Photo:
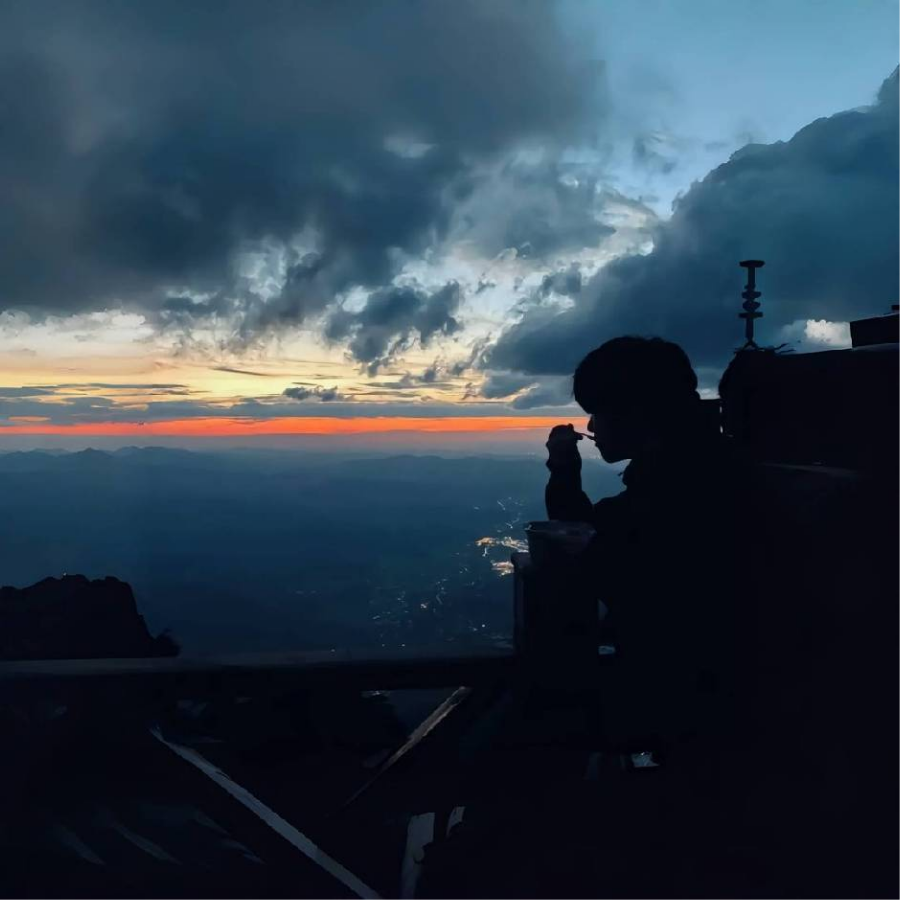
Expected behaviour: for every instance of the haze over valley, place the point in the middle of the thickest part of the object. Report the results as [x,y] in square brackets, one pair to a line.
[269,550]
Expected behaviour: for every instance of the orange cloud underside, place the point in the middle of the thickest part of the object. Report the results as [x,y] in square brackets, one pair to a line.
[234,427]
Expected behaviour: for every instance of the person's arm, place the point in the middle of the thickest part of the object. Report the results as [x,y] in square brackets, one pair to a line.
[565,499]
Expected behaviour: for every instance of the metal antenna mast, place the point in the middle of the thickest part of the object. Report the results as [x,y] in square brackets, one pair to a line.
[751,304]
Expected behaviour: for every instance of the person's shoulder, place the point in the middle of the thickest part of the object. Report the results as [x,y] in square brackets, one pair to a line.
[610,510]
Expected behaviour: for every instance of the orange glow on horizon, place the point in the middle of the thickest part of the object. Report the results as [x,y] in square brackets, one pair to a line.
[324,425]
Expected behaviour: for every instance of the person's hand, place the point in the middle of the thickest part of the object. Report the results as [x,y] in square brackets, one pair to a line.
[562,445]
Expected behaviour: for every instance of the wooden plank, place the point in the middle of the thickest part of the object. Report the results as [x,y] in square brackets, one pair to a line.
[425,772]
[263,673]
[433,721]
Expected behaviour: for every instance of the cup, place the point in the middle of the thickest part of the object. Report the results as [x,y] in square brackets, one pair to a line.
[554,540]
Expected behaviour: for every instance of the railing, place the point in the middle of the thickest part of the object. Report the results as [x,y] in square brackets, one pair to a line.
[199,677]
[552,613]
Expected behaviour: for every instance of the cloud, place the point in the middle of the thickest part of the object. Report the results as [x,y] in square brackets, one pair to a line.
[524,392]
[549,392]
[392,318]
[816,334]
[148,148]
[427,376]
[243,372]
[325,395]
[539,207]
[105,409]
[654,151]
[149,387]
[14,392]
[566,282]
[472,361]
[69,410]
[430,375]
[432,378]
[820,209]
[498,385]
[90,387]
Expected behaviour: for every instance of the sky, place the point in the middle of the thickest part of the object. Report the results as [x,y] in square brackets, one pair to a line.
[233,221]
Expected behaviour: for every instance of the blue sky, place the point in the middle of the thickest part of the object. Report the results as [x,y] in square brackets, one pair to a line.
[722,71]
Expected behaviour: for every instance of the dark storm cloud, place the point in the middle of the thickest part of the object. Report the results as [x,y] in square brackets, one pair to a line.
[437,313]
[525,391]
[325,395]
[504,384]
[820,209]
[549,392]
[144,144]
[566,282]
[392,318]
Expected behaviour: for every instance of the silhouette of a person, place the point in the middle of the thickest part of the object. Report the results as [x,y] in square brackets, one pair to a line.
[664,560]
[663,563]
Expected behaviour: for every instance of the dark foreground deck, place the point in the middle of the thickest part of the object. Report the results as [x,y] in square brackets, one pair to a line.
[119,797]
[292,775]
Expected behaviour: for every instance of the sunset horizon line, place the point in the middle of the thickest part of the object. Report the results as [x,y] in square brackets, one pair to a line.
[284,425]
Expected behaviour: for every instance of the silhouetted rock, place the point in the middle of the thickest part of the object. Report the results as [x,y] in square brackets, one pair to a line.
[75,618]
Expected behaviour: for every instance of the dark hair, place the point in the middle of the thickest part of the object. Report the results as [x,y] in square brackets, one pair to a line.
[634,371]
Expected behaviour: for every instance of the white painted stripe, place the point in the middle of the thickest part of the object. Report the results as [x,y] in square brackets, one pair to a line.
[279,825]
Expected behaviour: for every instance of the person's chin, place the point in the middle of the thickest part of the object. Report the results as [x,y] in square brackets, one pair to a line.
[611,455]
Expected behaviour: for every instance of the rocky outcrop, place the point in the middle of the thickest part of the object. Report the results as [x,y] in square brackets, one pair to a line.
[75,618]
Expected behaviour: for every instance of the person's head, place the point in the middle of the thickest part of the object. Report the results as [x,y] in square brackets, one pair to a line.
[636,391]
